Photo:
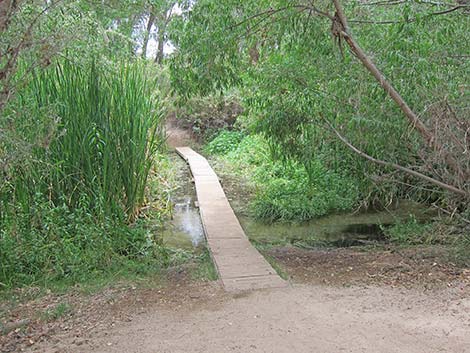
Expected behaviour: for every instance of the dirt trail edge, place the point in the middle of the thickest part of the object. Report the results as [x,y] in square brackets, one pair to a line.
[240,266]
[301,319]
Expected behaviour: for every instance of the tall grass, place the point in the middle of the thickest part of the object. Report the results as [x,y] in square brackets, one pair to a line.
[92,134]
[108,130]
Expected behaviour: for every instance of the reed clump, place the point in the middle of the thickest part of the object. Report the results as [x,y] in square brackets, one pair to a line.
[69,203]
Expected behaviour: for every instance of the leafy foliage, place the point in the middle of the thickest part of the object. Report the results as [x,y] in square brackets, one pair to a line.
[53,243]
[64,211]
[294,79]
[284,192]
[225,142]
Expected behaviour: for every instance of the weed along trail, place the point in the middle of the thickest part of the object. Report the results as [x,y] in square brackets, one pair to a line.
[239,264]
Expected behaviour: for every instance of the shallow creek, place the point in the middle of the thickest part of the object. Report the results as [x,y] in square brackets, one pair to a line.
[185,230]
[338,230]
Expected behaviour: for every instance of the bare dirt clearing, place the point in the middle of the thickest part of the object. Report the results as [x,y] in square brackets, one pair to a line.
[299,319]
[177,136]
[410,267]
[359,310]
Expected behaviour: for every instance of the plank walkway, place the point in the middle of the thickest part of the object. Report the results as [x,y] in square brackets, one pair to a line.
[239,264]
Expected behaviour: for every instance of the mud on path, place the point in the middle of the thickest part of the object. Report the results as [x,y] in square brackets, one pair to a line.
[329,308]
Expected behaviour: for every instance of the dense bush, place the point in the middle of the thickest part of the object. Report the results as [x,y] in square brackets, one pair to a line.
[205,116]
[284,191]
[53,243]
[295,196]
[224,142]
[66,204]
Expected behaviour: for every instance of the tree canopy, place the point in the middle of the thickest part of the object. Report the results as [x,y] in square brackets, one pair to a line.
[302,79]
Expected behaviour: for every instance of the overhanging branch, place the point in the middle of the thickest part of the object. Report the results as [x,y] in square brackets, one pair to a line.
[412,172]
[413,119]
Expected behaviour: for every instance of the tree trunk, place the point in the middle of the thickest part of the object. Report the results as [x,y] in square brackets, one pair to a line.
[150,22]
[342,30]
[161,44]
[164,20]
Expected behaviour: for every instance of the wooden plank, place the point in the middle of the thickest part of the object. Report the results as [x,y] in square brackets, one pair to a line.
[239,264]
[252,283]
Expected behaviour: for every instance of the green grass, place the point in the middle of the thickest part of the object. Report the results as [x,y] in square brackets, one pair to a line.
[60,310]
[284,190]
[69,208]
[205,269]
[413,232]
[108,130]
[272,261]
[443,232]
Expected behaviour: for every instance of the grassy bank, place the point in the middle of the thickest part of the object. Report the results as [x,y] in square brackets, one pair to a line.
[81,154]
[283,191]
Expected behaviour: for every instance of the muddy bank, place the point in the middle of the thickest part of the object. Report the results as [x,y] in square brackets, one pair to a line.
[416,267]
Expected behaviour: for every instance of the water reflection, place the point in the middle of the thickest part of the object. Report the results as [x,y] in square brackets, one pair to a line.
[185,229]
[333,230]
[186,219]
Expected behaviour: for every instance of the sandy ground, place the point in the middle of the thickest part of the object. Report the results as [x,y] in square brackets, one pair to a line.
[340,300]
[303,318]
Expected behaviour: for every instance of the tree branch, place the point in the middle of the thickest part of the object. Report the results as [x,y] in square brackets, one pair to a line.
[271,11]
[399,2]
[442,185]
[393,93]
[411,20]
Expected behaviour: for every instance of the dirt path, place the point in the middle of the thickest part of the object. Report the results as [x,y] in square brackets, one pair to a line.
[341,300]
[177,136]
[305,318]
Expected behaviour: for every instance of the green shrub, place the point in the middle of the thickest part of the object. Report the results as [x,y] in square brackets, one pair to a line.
[224,142]
[296,197]
[54,243]
[69,205]
[285,191]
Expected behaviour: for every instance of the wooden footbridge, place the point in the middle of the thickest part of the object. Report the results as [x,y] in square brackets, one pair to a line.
[239,264]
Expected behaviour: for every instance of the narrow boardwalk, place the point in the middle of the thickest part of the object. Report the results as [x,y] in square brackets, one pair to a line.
[240,265]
